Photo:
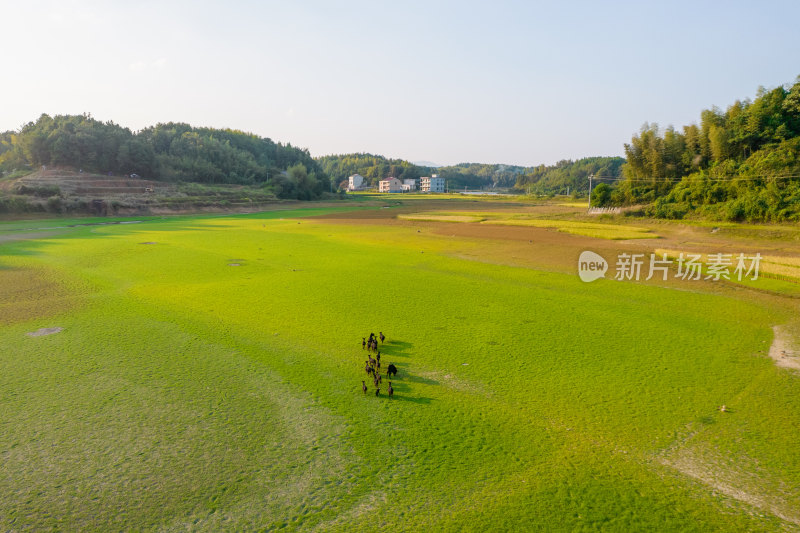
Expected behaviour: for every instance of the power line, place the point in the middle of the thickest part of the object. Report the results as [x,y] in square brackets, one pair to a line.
[706,178]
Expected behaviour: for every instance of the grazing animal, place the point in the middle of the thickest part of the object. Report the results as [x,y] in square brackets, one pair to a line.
[391,370]
[390,390]
[372,362]
[378,391]
[363,386]
[363,343]
[378,357]
[382,337]
[368,369]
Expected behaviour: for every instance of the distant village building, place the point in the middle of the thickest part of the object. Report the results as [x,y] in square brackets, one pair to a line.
[410,185]
[355,182]
[391,185]
[432,184]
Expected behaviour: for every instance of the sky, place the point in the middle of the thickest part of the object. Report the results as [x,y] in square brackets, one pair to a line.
[523,83]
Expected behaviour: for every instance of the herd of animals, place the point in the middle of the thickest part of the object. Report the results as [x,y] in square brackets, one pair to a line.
[373,365]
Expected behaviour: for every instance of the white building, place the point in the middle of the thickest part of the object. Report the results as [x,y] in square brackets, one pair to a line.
[355,182]
[391,185]
[432,184]
[410,185]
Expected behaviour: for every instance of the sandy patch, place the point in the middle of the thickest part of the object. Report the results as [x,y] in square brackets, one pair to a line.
[44,331]
[782,349]
[23,236]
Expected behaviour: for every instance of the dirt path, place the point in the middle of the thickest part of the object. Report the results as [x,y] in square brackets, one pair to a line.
[782,349]
[739,484]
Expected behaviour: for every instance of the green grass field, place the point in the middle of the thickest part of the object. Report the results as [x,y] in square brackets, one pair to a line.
[208,377]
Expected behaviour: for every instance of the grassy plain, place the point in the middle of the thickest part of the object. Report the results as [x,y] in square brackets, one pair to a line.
[575,227]
[208,377]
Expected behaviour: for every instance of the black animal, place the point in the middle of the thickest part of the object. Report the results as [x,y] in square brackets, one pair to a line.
[378,392]
[382,337]
[363,343]
[364,386]
[378,357]
[390,390]
[368,369]
[391,370]
[372,362]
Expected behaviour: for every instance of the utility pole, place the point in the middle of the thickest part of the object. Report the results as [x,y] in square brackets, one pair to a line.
[590,190]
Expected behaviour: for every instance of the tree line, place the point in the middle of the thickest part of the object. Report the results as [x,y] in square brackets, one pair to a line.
[545,180]
[376,167]
[739,164]
[175,152]
[569,177]
[372,167]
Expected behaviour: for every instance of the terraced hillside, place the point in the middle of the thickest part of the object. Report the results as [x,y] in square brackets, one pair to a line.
[65,190]
[76,183]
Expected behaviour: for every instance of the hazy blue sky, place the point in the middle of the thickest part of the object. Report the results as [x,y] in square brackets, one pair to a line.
[506,82]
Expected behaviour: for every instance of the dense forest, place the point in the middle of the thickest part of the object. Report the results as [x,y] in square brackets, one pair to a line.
[570,177]
[173,152]
[739,164]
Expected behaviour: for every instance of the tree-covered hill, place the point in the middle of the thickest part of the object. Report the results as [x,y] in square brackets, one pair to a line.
[570,176]
[376,167]
[739,164]
[480,175]
[372,167]
[168,152]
